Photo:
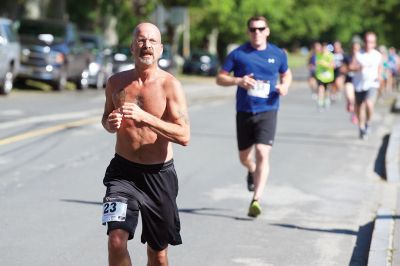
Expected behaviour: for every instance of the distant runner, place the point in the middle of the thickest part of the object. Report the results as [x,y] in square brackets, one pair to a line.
[338,55]
[324,72]
[349,60]
[312,81]
[261,72]
[366,80]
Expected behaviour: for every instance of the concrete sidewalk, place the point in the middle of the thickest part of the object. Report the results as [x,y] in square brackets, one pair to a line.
[385,243]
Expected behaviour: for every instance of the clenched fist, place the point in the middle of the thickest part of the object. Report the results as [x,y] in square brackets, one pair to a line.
[114,120]
[247,81]
[133,111]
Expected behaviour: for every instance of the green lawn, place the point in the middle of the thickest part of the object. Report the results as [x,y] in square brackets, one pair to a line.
[297,60]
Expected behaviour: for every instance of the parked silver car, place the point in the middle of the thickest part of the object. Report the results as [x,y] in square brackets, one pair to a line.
[100,66]
[9,55]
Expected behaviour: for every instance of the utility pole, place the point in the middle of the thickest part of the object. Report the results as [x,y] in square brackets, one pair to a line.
[186,33]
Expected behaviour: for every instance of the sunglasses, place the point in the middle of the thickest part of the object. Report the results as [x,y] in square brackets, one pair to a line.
[261,29]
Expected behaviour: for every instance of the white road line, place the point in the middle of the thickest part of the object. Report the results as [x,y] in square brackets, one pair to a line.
[51,118]
[12,112]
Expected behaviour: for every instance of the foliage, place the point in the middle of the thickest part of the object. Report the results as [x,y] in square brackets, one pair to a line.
[293,23]
[94,15]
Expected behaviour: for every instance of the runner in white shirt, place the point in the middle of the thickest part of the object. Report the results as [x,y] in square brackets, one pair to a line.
[366,80]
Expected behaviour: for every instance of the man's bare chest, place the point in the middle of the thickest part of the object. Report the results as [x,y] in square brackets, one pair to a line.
[151,99]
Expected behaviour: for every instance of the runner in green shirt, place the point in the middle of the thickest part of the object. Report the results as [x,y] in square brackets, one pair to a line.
[324,72]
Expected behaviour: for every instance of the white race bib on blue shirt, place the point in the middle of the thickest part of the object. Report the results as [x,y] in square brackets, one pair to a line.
[261,89]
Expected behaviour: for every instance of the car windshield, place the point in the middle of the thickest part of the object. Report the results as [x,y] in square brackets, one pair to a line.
[122,54]
[202,56]
[122,50]
[9,33]
[34,29]
[91,42]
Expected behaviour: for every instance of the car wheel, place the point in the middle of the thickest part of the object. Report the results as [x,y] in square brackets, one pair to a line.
[60,84]
[83,82]
[7,84]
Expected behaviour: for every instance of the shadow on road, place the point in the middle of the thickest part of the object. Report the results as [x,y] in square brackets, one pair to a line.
[363,243]
[379,167]
[29,85]
[82,201]
[361,248]
[333,231]
[211,212]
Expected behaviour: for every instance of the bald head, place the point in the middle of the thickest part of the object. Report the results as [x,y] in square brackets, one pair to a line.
[146,45]
[147,27]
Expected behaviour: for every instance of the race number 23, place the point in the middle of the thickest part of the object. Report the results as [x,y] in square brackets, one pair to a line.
[114,209]
[110,207]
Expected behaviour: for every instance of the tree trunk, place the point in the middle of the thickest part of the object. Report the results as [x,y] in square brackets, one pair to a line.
[56,9]
[213,41]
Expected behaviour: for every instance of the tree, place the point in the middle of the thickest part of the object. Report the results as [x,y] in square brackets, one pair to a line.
[294,23]
[95,15]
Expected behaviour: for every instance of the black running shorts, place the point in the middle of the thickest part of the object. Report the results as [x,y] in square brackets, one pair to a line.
[324,84]
[362,96]
[337,73]
[255,128]
[150,189]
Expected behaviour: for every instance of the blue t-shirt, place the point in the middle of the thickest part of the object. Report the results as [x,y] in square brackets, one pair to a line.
[266,65]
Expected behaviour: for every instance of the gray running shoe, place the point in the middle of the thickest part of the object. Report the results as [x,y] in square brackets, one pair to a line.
[363,134]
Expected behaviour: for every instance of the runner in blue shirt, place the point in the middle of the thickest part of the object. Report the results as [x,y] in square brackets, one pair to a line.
[261,73]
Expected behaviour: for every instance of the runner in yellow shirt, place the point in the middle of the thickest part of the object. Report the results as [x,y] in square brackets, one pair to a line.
[324,72]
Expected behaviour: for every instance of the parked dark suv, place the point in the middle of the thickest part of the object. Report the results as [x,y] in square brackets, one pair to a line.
[51,51]
[201,63]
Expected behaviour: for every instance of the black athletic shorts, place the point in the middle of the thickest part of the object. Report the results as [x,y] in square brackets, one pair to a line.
[348,79]
[150,189]
[255,128]
[324,84]
[362,96]
[337,73]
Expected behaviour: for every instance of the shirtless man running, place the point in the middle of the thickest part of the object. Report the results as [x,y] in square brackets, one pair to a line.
[146,108]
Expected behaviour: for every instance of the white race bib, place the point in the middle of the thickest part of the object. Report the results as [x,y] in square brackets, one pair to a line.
[261,89]
[114,209]
[326,75]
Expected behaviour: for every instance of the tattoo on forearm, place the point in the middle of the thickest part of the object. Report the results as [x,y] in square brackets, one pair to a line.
[184,115]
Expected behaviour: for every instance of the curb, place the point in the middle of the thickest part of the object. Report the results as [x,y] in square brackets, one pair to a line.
[385,243]
[396,105]
[381,249]
[392,160]
[396,238]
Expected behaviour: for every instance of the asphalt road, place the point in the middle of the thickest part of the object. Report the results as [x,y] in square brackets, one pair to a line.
[318,207]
